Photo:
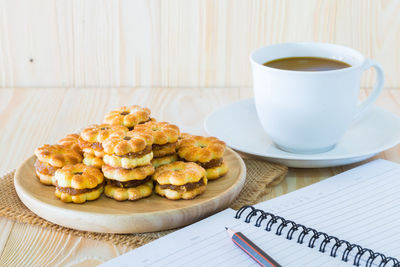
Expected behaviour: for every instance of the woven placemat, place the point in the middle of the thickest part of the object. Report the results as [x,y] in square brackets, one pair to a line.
[261,177]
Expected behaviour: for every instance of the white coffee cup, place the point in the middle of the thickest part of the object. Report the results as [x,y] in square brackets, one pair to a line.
[309,111]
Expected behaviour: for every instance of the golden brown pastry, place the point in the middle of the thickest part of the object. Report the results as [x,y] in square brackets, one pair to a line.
[45,172]
[165,140]
[52,157]
[126,175]
[128,116]
[157,162]
[128,184]
[71,141]
[91,138]
[130,193]
[128,150]
[92,160]
[78,183]
[128,167]
[180,180]
[206,151]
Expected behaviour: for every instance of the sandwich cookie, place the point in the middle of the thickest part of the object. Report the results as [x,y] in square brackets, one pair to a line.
[165,141]
[78,183]
[128,184]
[205,151]
[128,116]
[128,167]
[128,150]
[180,180]
[90,141]
[50,158]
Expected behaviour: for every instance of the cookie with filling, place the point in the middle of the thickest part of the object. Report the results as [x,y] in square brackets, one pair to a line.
[129,193]
[128,116]
[165,140]
[180,180]
[78,183]
[206,151]
[91,138]
[128,184]
[217,172]
[45,172]
[52,157]
[128,150]
[162,132]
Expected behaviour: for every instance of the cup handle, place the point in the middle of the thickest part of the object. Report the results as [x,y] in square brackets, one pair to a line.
[380,80]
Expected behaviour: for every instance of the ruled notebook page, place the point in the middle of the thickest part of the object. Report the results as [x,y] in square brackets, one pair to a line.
[361,206]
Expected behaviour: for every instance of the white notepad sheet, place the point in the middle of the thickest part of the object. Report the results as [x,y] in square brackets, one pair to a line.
[361,206]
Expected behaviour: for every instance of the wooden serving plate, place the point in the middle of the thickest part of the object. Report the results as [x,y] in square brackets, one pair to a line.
[151,214]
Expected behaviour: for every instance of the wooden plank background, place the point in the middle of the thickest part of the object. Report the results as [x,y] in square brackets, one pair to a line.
[178,43]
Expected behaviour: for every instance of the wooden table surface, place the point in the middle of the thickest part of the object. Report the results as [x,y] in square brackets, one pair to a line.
[31,117]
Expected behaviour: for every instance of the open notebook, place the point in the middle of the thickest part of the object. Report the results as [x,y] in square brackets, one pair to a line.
[361,206]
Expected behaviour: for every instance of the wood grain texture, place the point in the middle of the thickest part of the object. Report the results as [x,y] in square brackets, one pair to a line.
[179,43]
[31,117]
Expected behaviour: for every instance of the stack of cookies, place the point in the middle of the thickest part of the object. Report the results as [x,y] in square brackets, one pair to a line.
[205,151]
[165,141]
[90,141]
[127,156]
[128,167]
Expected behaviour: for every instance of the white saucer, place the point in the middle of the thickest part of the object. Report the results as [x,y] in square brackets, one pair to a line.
[237,124]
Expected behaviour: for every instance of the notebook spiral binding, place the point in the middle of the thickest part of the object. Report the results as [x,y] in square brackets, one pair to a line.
[282,223]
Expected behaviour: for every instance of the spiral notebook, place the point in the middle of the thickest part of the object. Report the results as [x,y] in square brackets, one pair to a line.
[350,219]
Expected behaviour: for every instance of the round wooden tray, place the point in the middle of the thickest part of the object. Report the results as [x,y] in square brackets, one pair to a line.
[151,214]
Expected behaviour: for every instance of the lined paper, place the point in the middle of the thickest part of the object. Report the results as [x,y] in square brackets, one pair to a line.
[361,206]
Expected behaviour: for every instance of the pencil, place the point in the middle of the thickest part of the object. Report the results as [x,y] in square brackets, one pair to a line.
[251,249]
